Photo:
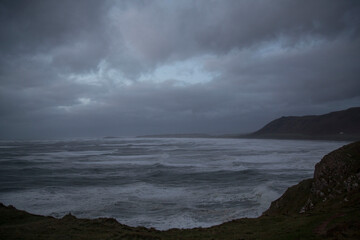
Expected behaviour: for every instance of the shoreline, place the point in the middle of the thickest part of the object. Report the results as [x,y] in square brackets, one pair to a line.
[308,210]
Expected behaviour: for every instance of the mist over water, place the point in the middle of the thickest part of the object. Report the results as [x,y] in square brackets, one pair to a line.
[161,183]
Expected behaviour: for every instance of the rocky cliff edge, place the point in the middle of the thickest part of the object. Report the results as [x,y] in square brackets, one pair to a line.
[335,184]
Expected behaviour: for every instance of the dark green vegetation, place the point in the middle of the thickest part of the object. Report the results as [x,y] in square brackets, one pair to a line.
[325,207]
[341,125]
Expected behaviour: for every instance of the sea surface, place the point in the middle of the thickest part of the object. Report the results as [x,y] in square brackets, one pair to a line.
[160,183]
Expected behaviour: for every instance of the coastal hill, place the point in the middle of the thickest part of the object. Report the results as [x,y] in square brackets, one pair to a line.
[340,125]
[324,207]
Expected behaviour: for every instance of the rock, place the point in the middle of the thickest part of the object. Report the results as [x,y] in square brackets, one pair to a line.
[337,174]
[336,177]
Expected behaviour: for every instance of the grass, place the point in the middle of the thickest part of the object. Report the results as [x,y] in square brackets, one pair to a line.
[15,224]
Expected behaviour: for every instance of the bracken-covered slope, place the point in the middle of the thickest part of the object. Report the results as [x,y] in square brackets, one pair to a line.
[339,125]
[325,207]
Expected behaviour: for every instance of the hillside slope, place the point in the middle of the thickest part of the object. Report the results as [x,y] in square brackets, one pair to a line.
[340,125]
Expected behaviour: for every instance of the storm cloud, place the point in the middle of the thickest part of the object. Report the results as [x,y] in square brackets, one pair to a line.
[96,68]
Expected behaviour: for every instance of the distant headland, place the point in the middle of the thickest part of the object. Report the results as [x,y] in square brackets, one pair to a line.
[340,125]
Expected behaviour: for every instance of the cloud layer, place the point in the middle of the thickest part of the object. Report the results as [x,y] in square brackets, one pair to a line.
[95,68]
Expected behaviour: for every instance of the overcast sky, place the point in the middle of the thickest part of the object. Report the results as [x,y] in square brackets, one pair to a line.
[97,68]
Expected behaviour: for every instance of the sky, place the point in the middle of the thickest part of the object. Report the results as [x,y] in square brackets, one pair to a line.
[90,68]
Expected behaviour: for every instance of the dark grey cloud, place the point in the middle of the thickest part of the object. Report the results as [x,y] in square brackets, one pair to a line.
[161,32]
[32,26]
[92,68]
[324,71]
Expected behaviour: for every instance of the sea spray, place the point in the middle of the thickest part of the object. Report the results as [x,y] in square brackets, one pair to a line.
[161,183]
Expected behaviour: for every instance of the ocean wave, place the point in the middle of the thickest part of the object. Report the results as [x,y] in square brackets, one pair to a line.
[162,183]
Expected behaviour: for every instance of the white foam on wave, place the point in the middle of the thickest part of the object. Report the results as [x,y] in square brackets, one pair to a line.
[181,183]
[182,220]
[264,195]
[8,147]
[66,154]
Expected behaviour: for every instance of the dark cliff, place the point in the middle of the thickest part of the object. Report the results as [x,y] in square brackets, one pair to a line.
[335,184]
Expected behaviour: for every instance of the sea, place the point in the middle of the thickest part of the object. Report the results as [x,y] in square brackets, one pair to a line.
[154,182]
